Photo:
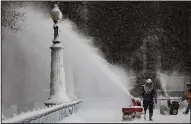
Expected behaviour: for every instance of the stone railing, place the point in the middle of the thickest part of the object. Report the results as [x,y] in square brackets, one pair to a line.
[51,114]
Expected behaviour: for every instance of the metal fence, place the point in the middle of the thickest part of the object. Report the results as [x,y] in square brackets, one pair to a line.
[49,114]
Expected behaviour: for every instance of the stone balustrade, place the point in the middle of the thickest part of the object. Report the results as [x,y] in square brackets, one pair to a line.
[51,114]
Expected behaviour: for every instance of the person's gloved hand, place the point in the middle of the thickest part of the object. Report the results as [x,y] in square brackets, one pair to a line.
[155,101]
[141,98]
[181,99]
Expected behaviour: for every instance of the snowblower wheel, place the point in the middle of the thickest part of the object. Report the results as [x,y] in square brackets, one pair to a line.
[138,115]
[161,112]
[175,112]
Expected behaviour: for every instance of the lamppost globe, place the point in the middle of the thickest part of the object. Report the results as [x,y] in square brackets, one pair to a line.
[56,14]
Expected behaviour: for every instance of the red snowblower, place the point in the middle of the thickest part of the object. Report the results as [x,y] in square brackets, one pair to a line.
[133,112]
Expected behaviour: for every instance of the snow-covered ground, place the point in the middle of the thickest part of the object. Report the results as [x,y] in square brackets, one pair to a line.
[100,112]
[73,119]
[158,118]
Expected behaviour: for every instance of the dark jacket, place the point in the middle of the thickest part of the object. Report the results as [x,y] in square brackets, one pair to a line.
[148,93]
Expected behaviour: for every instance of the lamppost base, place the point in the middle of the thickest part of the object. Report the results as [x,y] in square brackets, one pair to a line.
[49,104]
[58,99]
[72,96]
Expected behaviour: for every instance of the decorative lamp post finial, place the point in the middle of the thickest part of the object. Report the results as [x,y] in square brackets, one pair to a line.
[56,16]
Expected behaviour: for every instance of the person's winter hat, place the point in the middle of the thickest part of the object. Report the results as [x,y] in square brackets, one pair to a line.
[149,81]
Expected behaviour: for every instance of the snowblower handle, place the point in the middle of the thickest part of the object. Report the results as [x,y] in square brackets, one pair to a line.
[180,100]
[134,102]
[141,102]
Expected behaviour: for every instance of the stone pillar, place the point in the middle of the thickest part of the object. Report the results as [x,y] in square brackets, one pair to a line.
[57,76]
[70,83]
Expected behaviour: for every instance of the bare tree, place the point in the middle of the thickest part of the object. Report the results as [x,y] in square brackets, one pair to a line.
[10,16]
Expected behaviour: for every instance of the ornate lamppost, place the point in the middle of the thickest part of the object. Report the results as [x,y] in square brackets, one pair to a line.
[57,76]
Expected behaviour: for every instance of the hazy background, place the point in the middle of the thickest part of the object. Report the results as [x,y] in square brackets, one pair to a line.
[26,61]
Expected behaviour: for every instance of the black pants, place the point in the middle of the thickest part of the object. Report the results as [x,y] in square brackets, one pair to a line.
[148,104]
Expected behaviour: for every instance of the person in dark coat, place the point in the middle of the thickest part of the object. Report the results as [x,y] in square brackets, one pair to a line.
[148,95]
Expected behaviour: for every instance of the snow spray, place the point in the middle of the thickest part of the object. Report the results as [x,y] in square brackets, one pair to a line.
[91,77]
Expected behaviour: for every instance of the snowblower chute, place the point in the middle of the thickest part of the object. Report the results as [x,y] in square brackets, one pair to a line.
[132,112]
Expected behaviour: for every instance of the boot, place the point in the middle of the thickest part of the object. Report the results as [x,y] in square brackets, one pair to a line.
[150,118]
[185,113]
[145,116]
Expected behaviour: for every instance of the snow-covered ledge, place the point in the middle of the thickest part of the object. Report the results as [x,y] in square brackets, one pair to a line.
[51,114]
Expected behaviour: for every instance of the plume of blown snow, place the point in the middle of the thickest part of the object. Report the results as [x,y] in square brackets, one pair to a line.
[26,64]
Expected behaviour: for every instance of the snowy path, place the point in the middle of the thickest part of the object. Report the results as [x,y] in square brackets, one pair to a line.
[100,111]
[157,118]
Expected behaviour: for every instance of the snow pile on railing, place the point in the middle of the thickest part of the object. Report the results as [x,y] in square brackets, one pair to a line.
[45,114]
